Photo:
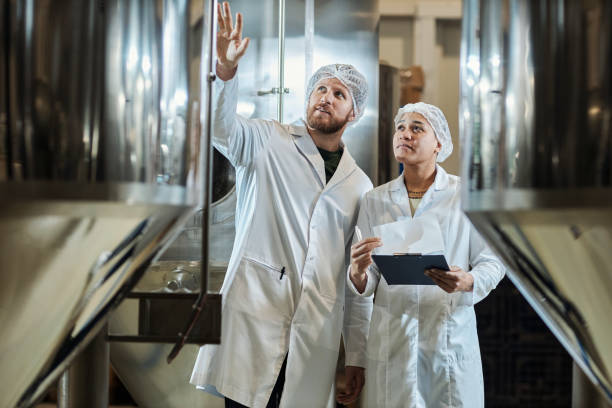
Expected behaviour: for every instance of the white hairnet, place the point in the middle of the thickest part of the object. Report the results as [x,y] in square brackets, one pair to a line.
[438,122]
[350,77]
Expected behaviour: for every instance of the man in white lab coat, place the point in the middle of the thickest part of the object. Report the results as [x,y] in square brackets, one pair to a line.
[422,349]
[298,191]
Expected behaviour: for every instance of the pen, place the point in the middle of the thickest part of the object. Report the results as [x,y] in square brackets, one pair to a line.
[358,233]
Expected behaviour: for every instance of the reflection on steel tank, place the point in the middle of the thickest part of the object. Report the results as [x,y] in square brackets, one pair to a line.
[388,105]
[536,100]
[99,167]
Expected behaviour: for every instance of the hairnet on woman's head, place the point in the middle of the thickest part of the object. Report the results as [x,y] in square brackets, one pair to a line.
[354,81]
[438,122]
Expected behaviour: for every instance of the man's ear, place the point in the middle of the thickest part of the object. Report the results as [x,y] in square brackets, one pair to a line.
[352,115]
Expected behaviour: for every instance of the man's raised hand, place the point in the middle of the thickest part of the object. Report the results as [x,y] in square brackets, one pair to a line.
[230,44]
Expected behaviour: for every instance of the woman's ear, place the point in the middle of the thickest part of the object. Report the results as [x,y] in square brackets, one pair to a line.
[438,147]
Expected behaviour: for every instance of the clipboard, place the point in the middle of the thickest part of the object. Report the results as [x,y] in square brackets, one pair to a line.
[409,269]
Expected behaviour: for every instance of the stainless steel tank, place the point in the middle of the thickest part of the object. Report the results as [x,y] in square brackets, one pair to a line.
[536,100]
[151,381]
[286,48]
[100,163]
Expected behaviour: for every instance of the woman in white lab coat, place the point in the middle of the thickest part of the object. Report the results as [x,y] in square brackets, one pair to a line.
[422,349]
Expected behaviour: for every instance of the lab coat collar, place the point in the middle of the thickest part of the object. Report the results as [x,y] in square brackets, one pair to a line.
[440,182]
[345,167]
[298,128]
[399,194]
[306,145]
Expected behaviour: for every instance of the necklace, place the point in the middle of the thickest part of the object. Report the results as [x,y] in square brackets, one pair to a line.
[416,194]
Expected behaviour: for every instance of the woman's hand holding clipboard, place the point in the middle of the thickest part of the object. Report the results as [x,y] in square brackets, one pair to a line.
[452,280]
[409,269]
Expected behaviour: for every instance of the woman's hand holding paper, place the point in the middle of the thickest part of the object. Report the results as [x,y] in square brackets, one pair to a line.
[361,259]
[455,280]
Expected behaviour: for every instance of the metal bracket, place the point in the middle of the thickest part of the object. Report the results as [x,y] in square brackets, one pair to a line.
[159,319]
[273,91]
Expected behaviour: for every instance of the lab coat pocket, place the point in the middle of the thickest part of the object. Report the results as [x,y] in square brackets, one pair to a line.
[467,381]
[378,341]
[318,319]
[262,290]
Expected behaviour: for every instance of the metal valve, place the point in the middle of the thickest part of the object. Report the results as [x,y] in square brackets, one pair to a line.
[272,91]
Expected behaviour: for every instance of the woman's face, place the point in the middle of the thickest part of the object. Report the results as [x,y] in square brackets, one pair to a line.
[414,141]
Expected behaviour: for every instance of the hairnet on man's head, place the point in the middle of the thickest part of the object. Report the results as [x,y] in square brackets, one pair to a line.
[354,81]
[438,122]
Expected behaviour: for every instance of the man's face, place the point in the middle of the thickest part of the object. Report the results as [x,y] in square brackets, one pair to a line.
[414,141]
[330,106]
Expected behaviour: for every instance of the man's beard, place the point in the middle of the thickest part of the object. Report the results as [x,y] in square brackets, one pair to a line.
[326,127]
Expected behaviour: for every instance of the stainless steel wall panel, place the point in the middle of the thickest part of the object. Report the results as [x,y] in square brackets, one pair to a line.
[537,143]
[347,32]
[469,109]
[52,57]
[490,87]
[258,70]
[96,177]
[115,90]
[132,88]
[519,100]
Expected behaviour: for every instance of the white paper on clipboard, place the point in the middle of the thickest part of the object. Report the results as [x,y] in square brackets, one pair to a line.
[420,235]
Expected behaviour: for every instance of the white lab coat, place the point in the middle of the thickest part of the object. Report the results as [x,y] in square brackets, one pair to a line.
[422,349]
[285,284]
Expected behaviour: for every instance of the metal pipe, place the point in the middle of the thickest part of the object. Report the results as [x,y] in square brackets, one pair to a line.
[207,190]
[85,383]
[63,390]
[5,170]
[584,393]
[309,16]
[206,200]
[281,58]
